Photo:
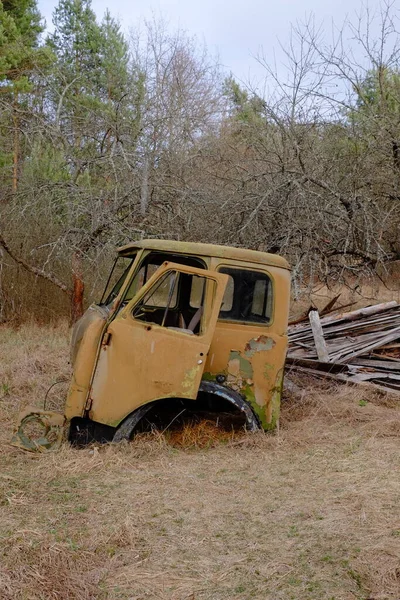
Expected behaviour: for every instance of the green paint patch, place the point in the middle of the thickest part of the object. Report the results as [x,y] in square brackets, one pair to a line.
[260,344]
[248,392]
[245,366]
[240,378]
[208,377]
[188,384]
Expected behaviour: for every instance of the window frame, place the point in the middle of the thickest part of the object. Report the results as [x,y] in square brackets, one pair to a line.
[153,288]
[167,257]
[123,278]
[175,290]
[211,293]
[272,288]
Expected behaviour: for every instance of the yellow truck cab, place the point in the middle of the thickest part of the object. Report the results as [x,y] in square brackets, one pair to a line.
[180,323]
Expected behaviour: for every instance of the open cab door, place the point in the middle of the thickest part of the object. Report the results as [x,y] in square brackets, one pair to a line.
[156,347]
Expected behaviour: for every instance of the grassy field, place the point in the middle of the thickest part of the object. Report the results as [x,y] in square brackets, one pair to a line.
[310,513]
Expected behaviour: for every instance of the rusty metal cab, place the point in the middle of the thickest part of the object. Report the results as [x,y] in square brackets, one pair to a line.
[181,321]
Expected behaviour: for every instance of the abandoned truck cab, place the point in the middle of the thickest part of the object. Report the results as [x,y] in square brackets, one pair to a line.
[180,323]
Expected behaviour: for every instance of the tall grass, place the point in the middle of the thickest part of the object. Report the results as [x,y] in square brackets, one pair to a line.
[310,513]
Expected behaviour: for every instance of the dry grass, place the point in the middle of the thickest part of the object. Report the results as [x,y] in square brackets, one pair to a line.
[311,513]
[359,291]
[204,434]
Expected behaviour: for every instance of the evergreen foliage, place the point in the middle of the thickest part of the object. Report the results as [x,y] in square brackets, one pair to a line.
[103,140]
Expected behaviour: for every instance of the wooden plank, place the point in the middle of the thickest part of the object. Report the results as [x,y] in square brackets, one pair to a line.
[375,375]
[390,346]
[367,323]
[361,312]
[329,307]
[303,318]
[318,335]
[307,346]
[389,338]
[385,356]
[389,384]
[309,363]
[377,364]
[357,347]
[359,327]
[346,379]
[363,326]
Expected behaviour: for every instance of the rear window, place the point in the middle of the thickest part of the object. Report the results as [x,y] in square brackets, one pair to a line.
[248,296]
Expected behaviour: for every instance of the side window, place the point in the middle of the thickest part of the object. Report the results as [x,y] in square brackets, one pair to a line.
[162,295]
[227,301]
[259,296]
[116,278]
[144,274]
[149,266]
[248,296]
[176,301]
[197,291]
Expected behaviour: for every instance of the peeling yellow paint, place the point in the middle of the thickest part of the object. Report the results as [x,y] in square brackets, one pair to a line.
[190,380]
[141,364]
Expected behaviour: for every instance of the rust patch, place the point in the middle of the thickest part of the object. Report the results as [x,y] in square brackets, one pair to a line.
[274,404]
[245,377]
[240,369]
[38,430]
[259,344]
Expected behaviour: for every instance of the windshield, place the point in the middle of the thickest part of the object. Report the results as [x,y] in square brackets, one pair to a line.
[116,278]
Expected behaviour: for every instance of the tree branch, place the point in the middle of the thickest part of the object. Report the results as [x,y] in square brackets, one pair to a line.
[35,270]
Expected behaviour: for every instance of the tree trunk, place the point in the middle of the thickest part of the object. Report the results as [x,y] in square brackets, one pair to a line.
[15,144]
[78,288]
[35,270]
[144,193]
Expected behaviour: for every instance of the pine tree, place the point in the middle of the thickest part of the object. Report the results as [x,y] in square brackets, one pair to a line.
[20,57]
[88,87]
[76,42]
[114,59]
[27,19]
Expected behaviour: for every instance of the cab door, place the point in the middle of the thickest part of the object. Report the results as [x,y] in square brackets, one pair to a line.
[157,345]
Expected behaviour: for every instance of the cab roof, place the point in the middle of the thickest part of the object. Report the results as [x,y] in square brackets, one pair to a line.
[186,248]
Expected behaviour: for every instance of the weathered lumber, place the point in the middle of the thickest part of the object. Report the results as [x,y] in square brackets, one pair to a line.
[329,307]
[309,363]
[378,364]
[392,336]
[356,347]
[318,335]
[344,378]
[375,375]
[361,312]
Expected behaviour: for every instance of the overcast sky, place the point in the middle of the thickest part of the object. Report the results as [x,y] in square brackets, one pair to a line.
[235,29]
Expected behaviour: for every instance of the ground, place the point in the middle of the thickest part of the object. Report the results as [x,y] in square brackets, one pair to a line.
[311,512]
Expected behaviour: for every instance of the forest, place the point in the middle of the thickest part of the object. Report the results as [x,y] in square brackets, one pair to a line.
[108,137]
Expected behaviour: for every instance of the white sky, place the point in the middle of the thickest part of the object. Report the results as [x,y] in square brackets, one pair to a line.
[236,29]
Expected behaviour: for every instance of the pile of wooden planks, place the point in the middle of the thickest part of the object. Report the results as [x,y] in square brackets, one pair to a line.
[358,346]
